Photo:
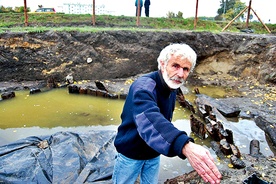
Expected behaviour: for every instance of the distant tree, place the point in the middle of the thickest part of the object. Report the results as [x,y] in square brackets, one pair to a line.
[233,12]
[9,9]
[173,15]
[179,14]
[229,15]
[218,17]
[225,5]
[21,9]
[6,9]
[238,7]
[220,11]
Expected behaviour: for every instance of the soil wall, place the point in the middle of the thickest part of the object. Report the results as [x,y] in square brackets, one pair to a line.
[121,54]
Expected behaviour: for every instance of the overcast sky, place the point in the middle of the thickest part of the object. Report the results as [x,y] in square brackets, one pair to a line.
[159,8]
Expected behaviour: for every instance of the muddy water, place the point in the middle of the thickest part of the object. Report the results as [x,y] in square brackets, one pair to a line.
[57,110]
[46,112]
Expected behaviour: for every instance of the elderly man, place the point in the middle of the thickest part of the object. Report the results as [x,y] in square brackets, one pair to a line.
[146,130]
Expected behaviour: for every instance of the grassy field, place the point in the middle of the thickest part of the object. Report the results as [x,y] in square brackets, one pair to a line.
[14,22]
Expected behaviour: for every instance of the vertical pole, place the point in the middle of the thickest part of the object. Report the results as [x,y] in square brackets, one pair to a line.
[93,13]
[25,12]
[248,13]
[138,14]
[195,21]
[224,10]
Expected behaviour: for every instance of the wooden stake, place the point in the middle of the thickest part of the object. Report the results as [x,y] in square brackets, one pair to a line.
[93,14]
[195,21]
[138,14]
[25,12]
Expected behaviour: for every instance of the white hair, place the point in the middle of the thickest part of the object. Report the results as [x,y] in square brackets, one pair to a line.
[177,49]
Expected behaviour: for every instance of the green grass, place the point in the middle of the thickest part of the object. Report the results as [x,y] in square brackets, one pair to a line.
[14,22]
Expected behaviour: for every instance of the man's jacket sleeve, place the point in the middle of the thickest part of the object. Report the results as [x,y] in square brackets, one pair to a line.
[158,132]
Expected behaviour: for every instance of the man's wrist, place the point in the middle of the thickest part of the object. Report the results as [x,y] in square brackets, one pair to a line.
[189,140]
[186,143]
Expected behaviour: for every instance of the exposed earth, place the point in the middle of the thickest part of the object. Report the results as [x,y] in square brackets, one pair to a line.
[239,62]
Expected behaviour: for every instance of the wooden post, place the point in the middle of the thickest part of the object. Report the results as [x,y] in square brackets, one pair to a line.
[26,12]
[195,21]
[234,19]
[248,13]
[261,21]
[138,14]
[93,13]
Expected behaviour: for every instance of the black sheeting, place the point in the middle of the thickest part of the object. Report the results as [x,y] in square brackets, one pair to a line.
[67,158]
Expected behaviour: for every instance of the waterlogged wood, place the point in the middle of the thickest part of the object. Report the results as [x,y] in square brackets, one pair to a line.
[183,102]
[8,95]
[225,147]
[100,85]
[224,109]
[80,89]
[223,138]
[254,148]
[268,127]
[235,150]
[198,127]
[237,162]
[185,178]
[35,90]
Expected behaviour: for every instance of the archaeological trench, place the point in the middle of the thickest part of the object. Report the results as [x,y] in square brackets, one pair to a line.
[237,61]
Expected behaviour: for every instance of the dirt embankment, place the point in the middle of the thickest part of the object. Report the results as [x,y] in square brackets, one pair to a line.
[242,62]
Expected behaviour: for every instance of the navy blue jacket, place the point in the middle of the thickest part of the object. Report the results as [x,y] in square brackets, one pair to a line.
[146,130]
[147,3]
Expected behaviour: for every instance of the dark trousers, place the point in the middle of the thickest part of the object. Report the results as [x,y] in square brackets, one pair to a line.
[147,11]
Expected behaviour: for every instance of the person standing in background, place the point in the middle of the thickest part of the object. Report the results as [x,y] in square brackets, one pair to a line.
[137,7]
[147,4]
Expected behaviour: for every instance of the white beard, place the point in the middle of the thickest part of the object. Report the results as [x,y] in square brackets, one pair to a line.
[170,81]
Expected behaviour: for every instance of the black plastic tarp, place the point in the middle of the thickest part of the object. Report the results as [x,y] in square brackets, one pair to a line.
[64,157]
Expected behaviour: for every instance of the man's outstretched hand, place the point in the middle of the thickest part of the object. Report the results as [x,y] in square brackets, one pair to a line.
[202,161]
